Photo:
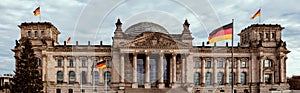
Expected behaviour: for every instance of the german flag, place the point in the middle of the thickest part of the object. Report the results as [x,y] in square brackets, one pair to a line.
[69,40]
[222,33]
[37,11]
[101,64]
[256,14]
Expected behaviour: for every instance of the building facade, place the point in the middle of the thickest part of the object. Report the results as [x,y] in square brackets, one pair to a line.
[147,58]
[5,81]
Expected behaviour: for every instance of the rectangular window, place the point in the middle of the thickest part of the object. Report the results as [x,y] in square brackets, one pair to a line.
[29,34]
[220,64]
[267,78]
[244,64]
[83,63]
[197,64]
[59,62]
[107,63]
[70,90]
[71,63]
[58,91]
[208,64]
[231,64]
[43,33]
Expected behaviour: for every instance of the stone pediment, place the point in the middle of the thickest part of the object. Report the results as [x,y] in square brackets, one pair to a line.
[154,40]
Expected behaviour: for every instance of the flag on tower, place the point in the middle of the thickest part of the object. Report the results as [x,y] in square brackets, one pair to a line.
[222,33]
[37,11]
[256,14]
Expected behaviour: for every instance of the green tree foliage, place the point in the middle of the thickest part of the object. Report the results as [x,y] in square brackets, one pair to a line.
[27,77]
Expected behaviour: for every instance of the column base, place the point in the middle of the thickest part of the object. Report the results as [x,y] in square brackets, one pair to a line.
[122,86]
[147,85]
[175,85]
[134,85]
[161,85]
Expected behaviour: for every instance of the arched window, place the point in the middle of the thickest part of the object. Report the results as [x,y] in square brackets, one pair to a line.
[39,62]
[208,78]
[243,78]
[196,78]
[96,77]
[220,78]
[36,34]
[43,33]
[29,34]
[72,77]
[107,77]
[59,77]
[231,76]
[267,63]
[83,77]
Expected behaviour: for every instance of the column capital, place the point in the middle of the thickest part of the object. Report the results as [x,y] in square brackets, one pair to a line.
[148,53]
[135,54]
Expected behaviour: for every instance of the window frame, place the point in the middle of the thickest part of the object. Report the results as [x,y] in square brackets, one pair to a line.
[208,64]
[59,77]
[243,65]
[197,64]
[267,63]
[243,77]
[71,63]
[36,34]
[59,63]
[208,78]
[72,79]
[220,64]
[196,78]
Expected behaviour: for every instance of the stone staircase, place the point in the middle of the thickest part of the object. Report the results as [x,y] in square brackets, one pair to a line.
[142,90]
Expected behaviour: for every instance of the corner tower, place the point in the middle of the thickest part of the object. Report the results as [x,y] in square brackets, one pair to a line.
[264,35]
[40,33]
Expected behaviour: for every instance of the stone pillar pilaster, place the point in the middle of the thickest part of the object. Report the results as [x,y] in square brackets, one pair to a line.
[89,69]
[65,64]
[227,70]
[161,71]
[238,71]
[44,62]
[134,84]
[203,72]
[122,68]
[261,70]
[174,67]
[147,69]
[215,73]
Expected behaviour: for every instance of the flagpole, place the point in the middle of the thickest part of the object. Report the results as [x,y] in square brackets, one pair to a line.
[232,65]
[259,20]
[40,16]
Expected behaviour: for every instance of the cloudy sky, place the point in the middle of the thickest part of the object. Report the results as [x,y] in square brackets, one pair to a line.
[93,20]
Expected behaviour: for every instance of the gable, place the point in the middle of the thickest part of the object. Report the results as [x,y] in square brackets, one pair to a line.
[154,40]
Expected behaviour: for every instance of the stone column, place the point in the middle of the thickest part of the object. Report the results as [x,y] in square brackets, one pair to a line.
[227,70]
[261,70]
[215,73]
[161,71]
[44,62]
[78,72]
[183,69]
[203,72]
[122,67]
[147,69]
[65,64]
[174,67]
[135,84]
[89,69]
[238,71]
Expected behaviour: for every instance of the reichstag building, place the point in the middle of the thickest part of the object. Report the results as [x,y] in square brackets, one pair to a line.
[146,58]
